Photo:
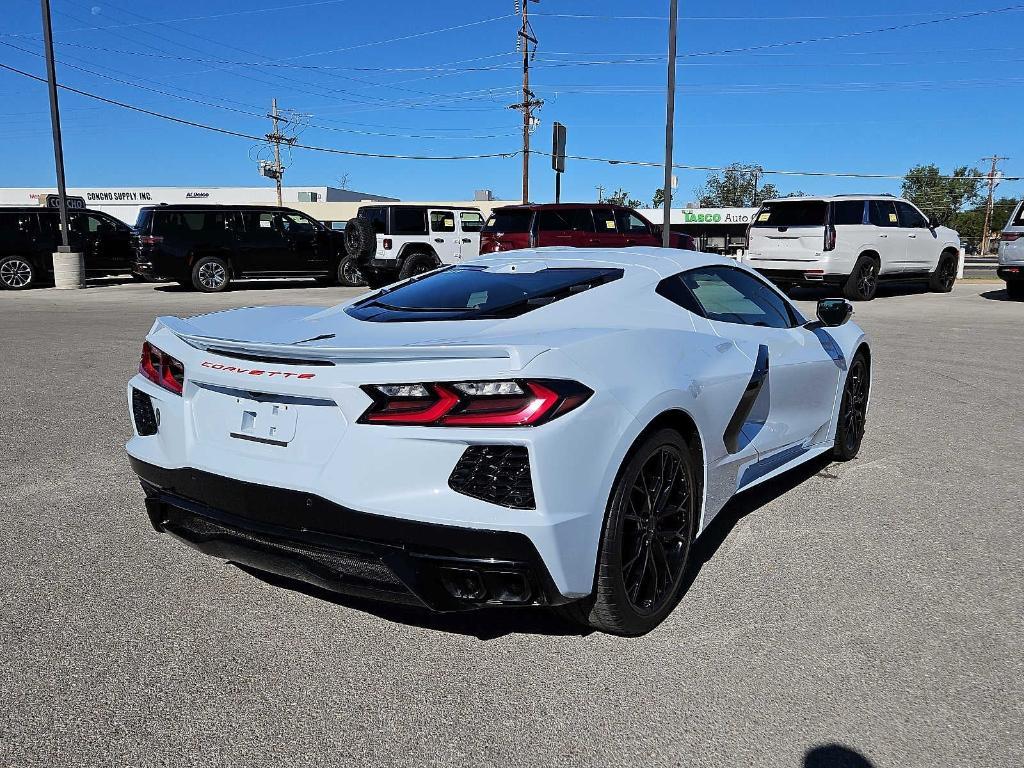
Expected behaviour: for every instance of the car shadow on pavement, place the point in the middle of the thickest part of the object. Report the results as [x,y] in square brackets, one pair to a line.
[741,505]
[999,295]
[483,624]
[835,756]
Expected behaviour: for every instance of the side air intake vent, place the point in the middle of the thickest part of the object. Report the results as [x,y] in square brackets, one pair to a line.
[142,411]
[499,474]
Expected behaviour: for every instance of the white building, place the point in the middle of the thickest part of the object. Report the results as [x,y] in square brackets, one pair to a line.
[124,202]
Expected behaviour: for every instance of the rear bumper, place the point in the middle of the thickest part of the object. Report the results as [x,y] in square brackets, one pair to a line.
[305,537]
[800,276]
[1010,272]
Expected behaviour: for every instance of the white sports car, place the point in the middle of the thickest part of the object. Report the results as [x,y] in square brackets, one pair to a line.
[541,427]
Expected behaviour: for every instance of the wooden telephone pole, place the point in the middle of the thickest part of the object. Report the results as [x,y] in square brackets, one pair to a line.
[992,176]
[529,102]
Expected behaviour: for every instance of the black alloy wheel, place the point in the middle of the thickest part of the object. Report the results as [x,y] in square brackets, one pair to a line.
[853,410]
[944,277]
[648,534]
[656,531]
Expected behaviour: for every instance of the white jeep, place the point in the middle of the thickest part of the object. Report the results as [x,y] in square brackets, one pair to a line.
[394,242]
[851,242]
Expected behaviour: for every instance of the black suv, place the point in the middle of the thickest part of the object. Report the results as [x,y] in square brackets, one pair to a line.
[30,235]
[207,246]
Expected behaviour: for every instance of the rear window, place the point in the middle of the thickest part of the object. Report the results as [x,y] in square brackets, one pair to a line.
[509,221]
[1018,219]
[792,213]
[477,293]
[848,212]
[378,218]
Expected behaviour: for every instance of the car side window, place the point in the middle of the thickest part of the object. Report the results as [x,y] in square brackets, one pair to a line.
[882,213]
[566,220]
[471,221]
[845,212]
[296,224]
[910,217]
[731,295]
[604,221]
[631,224]
[261,223]
[442,221]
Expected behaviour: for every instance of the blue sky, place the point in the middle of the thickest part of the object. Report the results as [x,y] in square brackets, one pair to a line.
[947,92]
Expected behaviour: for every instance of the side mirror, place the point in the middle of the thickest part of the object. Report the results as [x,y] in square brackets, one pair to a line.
[834,312]
[933,222]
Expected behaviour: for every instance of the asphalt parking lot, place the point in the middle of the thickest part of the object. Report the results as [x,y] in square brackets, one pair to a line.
[868,611]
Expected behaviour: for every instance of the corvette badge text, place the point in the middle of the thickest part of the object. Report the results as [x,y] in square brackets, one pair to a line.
[256,371]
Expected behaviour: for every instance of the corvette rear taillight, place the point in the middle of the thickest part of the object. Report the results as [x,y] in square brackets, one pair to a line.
[162,369]
[506,403]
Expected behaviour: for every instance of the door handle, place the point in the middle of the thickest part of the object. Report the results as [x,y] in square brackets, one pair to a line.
[883,235]
[912,235]
[438,239]
[466,240]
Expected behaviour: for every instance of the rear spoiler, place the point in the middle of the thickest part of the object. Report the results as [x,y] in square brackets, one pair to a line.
[517,355]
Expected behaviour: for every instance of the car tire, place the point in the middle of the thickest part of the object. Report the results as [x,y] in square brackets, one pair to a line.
[349,273]
[360,238]
[943,278]
[862,283]
[853,409]
[1015,290]
[417,264]
[211,274]
[16,273]
[645,549]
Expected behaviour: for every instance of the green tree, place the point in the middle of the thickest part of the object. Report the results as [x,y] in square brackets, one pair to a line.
[942,196]
[659,198]
[969,223]
[738,186]
[621,197]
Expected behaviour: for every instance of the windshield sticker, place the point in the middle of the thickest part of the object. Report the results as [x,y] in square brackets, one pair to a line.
[764,216]
[892,218]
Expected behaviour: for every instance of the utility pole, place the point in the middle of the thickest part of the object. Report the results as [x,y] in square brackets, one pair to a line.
[992,176]
[275,171]
[68,267]
[600,193]
[670,116]
[529,102]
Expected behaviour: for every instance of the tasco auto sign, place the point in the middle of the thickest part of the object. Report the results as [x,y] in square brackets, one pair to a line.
[718,215]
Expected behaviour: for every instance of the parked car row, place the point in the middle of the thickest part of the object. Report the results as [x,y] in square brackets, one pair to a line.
[206,247]
[848,242]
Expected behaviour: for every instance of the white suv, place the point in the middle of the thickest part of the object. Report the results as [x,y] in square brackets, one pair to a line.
[395,242]
[1011,254]
[852,242]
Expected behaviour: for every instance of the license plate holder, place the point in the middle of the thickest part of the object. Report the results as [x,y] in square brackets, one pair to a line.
[266,422]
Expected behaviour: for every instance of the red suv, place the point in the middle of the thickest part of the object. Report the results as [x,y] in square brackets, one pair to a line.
[579,225]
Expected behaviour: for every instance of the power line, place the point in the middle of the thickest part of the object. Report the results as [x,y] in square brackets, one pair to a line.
[252,137]
[766,171]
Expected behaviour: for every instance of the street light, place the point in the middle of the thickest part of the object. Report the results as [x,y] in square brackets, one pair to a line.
[68,267]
